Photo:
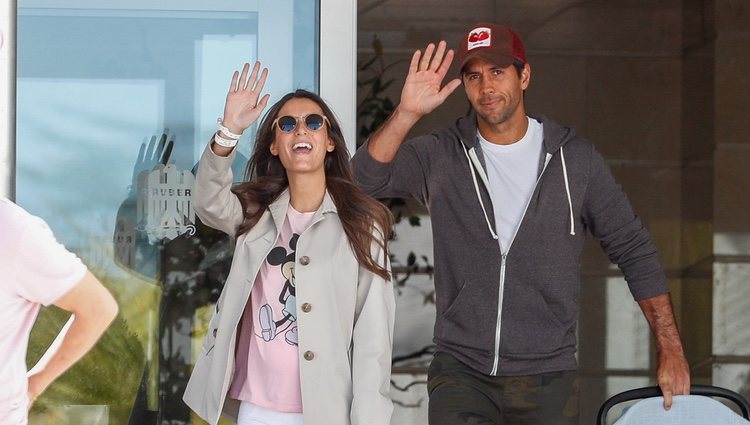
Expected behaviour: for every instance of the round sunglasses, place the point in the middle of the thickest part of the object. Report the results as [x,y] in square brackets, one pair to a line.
[288,123]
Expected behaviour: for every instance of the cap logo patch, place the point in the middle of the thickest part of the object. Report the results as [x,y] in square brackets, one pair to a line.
[479,37]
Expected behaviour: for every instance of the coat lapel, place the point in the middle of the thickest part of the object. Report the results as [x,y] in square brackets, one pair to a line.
[278,209]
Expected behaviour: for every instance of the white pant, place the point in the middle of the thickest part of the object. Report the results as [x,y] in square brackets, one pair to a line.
[251,414]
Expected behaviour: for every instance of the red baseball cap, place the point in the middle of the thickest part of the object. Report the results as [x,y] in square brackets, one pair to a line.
[495,43]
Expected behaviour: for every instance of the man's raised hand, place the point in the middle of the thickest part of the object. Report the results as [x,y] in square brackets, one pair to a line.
[422,92]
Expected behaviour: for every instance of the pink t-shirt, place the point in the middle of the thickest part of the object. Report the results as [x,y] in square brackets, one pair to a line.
[267,359]
[34,270]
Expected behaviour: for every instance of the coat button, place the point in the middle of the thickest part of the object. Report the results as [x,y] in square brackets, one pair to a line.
[304,260]
[306,307]
[309,355]
[215,332]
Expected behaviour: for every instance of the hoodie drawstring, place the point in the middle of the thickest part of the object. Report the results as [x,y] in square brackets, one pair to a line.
[479,196]
[484,210]
[567,192]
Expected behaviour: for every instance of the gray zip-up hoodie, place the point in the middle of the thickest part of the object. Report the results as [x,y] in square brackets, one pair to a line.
[514,312]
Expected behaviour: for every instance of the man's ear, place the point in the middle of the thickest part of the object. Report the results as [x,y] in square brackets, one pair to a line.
[525,76]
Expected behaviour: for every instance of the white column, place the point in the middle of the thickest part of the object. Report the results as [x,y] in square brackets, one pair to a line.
[7,98]
[338,63]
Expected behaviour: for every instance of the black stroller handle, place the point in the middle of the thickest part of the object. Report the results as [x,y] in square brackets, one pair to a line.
[648,392]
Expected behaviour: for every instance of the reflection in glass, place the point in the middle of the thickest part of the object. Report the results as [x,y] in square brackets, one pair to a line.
[115,105]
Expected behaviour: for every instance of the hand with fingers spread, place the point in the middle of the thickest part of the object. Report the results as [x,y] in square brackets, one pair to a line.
[422,92]
[152,154]
[244,102]
[420,96]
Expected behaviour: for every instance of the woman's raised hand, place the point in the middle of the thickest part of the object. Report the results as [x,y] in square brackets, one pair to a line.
[244,102]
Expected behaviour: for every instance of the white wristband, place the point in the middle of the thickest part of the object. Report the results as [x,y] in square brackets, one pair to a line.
[220,127]
[227,143]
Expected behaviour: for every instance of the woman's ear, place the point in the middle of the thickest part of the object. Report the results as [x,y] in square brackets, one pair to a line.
[330,147]
[274,150]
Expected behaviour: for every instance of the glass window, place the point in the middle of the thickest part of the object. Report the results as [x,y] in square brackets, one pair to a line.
[116,101]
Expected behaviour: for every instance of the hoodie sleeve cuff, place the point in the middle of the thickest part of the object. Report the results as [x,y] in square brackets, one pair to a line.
[648,288]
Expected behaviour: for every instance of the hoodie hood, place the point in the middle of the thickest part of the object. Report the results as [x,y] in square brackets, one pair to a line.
[555,138]
[555,135]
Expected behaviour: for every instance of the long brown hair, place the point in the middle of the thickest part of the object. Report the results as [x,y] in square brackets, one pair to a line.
[360,215]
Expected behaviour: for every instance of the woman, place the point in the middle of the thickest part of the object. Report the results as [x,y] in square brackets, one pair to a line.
[303,328]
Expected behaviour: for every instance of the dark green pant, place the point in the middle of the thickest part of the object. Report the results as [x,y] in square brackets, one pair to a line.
[459,395]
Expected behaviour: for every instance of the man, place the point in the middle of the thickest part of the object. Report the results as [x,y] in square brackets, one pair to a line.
[510,199]
[36,270]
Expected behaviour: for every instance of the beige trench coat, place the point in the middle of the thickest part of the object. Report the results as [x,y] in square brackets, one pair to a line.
[345,327]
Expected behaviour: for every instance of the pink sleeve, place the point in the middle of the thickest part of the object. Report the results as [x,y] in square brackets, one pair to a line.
[44,269]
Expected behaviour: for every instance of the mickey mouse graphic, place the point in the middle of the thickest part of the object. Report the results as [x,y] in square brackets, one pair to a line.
[270,328]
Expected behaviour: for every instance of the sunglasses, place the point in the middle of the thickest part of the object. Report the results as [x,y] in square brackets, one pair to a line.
[288,123]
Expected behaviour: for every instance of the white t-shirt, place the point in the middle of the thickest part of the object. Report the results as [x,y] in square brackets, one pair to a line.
[512,171]
[34,270]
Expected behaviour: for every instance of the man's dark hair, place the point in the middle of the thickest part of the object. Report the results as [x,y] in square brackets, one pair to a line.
[517,64]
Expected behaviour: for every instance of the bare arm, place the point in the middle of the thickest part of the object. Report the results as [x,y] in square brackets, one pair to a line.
[93,308]
[673,372]
[420,96]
